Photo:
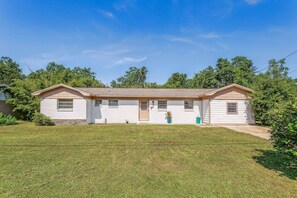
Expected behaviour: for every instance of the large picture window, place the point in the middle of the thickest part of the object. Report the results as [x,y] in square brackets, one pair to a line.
[162,104]
[188,104]
[231,108]
[113,103]
[65,104]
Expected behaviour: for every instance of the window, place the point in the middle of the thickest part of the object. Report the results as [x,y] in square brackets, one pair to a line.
[65,104]
[162,104]
[232,108]
[113,103]
[188,104]
[98,103]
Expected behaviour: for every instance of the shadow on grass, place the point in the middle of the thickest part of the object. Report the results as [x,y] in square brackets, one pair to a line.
[273,160]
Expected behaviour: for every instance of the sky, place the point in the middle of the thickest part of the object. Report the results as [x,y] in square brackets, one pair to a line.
[166,36]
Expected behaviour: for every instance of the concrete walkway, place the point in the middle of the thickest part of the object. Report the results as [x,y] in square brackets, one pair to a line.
[258,131]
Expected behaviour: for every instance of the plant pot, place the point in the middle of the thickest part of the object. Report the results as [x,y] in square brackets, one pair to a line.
[169,120]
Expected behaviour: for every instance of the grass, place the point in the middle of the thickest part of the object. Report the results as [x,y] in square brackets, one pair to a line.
[138,161]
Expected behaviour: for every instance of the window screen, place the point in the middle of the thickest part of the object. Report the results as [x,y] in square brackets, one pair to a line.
[113,103]
[65,104]
[232,108]
[188,104]
[162,104]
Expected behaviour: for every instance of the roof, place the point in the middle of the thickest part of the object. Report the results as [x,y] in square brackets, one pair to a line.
[142,92]
[227,87]
[145,93]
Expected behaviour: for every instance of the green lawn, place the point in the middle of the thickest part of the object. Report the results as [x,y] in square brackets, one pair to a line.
[139,161]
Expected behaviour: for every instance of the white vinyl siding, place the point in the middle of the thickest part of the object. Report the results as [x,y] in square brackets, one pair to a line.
[162,104]
[49,108]
[219,112]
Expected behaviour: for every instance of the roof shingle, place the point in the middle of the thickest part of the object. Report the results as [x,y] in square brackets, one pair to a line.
[145,93]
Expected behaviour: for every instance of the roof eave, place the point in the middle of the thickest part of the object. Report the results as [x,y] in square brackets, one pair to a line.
[39,92]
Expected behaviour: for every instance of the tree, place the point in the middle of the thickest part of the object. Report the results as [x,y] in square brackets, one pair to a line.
[56,74]
[205,79]
[134,77]
[26,105]
[224,72]
[9,70]
[284,131]
[243,70]
[273,90]
[23,103]
[176,80]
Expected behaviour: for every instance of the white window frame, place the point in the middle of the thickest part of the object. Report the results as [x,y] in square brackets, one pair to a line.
[232,112]
[113,106]
[191,108]
[163,108]
[63,107]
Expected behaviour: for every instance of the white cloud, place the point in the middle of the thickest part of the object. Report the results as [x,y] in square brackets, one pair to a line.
[106,13]
[126,60]
[252,2]
[124,4]
[44,59]
[105,52]
[182,40]
[210,35]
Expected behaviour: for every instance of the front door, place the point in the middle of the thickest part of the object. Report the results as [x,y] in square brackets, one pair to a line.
[143,110]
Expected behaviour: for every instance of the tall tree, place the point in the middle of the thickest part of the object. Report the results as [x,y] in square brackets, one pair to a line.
[176,80]
[273,90]
[26,105]
[224,72]
[9,70]
[244,71]
[134,77]
[205,79]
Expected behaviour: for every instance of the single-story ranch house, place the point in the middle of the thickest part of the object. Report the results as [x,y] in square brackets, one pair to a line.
[73,105]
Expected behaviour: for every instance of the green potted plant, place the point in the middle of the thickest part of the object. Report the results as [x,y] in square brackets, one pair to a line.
[168,117]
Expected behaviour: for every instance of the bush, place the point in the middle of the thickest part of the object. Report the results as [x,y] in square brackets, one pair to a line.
[42,120]
[284,132]
[7,119]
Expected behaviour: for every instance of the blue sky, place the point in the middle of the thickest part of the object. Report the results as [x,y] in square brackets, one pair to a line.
[165,35]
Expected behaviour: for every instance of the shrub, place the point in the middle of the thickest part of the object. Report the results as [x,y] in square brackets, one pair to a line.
[7,119]
[284,132]
[42,120]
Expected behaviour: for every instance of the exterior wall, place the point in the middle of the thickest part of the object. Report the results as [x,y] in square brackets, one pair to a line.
[179,114]
[5,108]
[219,112]
[127,110]
[48,107]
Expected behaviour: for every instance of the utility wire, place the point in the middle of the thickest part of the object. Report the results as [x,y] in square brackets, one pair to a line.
[279,60]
